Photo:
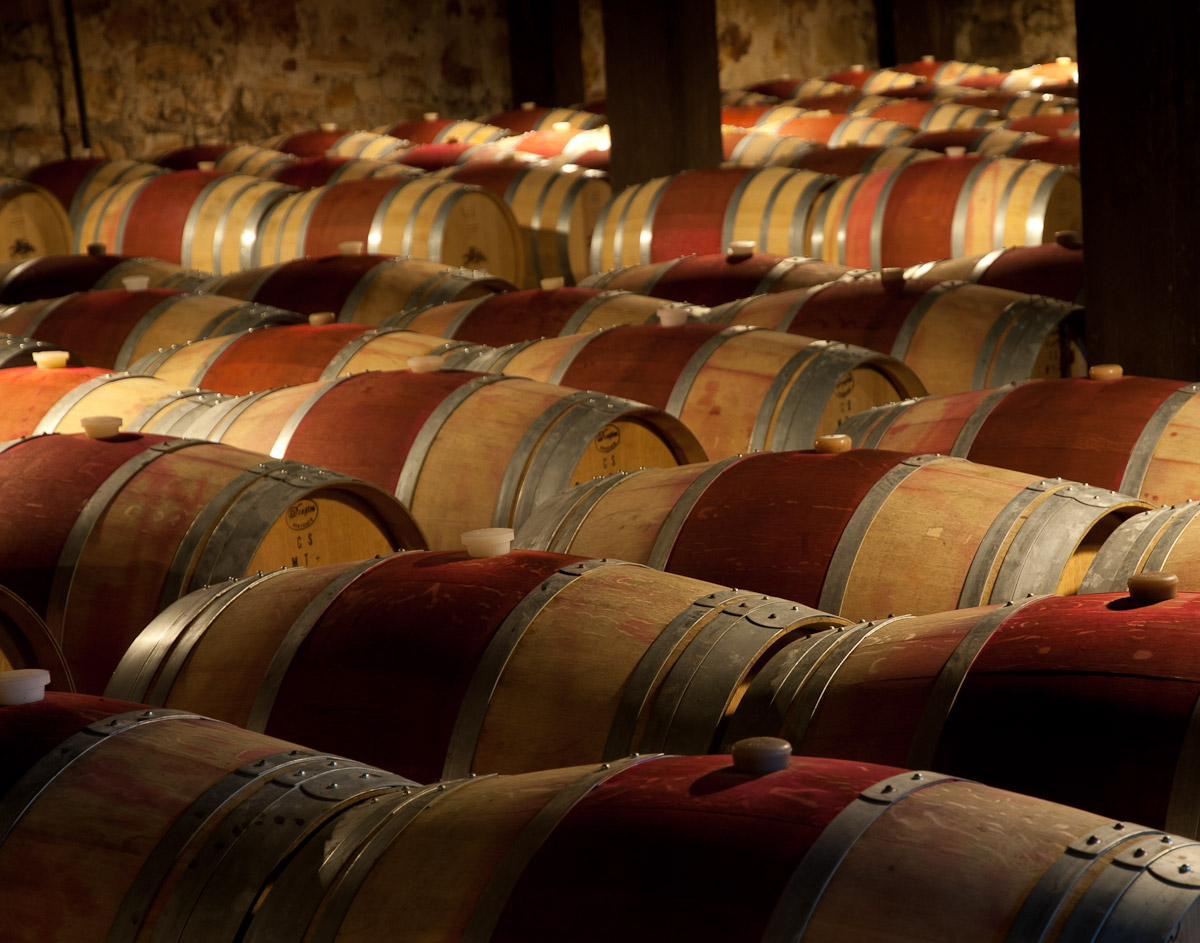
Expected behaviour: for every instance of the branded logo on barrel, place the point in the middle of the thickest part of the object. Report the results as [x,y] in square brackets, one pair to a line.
[302,515]
[608,438]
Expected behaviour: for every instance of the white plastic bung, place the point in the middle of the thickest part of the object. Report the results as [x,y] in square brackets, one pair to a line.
[328,125]
[23,685]
[51,359]
[488,541]
[101,427]
[427,363]
[351,247]
[206,165]
[318,318]
[956,150]
[741,248]
[136,282]
[561,126]
[672,316]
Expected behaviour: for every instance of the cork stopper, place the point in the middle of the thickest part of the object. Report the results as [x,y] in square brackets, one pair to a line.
[328,126]
[431,116]
[741,248]
[561,126]
[528,106]
[51,359]
[318,318]
[956,150]
[1068,239]
[836,442]
[1153,586]
[206,165]
[136,282]
[761,755]
[23,686]
[672,316]
[893,275]
[427,363]
[351,247]
[1105,371]
[101,427]
[488,541]
[97,248]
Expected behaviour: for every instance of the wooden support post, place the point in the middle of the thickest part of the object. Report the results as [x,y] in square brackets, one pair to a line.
[663,92]
[544,51]
[1139,90]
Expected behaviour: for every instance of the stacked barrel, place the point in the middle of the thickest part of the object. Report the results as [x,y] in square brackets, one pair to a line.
[384,595]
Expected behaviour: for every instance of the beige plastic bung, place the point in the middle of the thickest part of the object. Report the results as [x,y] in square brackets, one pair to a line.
[857,67]
[23,685]
[136,282]
[318,318]
[101,427]
[928,57]
[51,359]
[561,126]
[552,282]
[741,248]
[488,541]
[328,125]
[430,116]
[1062,60]
[761,755]
[956,150]
[426,363]
[528,106]
[1153,586]
[206,165]
[672,316]
[1068,239]
[835,442]
[351,247]
[1105,371]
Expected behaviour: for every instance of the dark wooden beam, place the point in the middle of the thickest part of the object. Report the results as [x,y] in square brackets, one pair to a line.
[544,51]
[921,27]
[1141,189]
[663,92]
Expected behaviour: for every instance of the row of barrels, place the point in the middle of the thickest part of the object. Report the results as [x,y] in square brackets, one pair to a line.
[204,831]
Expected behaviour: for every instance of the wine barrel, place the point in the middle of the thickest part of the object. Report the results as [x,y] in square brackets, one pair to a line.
[251,159]
[140,520]
[76,181]
[364,289]
[943,71]
[514,662]
[202,219]
[319,142]
[1016,104]
[47,398]
[1053,268]
[556,210]
[844,130]
[1062,150]
[856,159]
[737,388]
[1162,539]
[514,316]
[433,129]
[190,157]
[992,142]
[113,328]
[874,81]
[957,206]
[975,533]
[26,642]
[246,835]
[791,89]
[117,817]
[1047,124]
[433,219]
[241,363]
[763,148]
[1137,435]
[954,335]
[531,117]
[704,211]
[994,692]
[719,278]
[935,115]
[52,276]
[461,450]
[32,222]
[309,172]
